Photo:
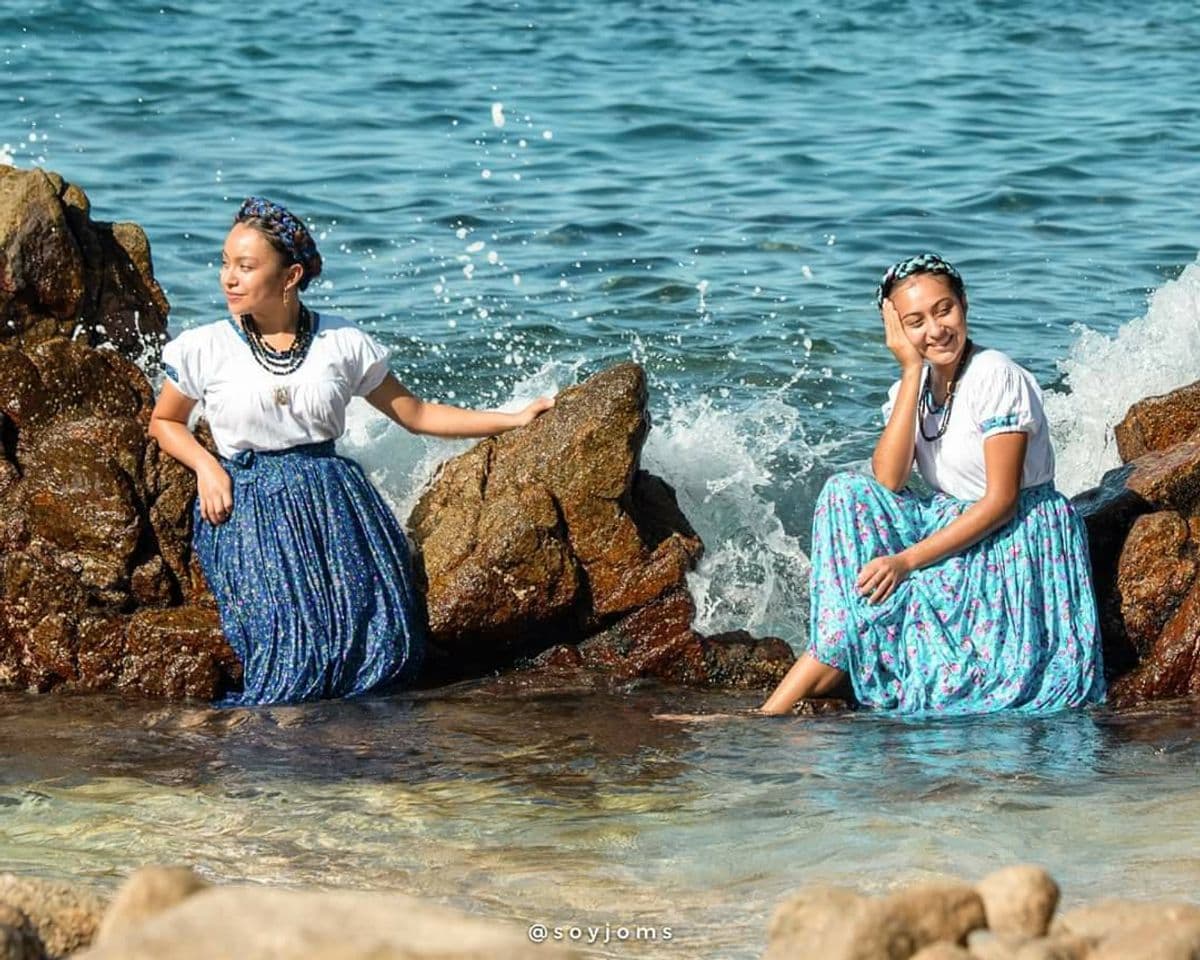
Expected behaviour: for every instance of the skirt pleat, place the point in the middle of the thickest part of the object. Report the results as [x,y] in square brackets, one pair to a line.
[1009,623]
[313,579]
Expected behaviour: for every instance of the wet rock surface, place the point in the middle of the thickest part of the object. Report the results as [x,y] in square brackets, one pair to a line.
[63,274]
[549,546]
[1144,531]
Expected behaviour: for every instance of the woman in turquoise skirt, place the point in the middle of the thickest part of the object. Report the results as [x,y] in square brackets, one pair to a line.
[979,597]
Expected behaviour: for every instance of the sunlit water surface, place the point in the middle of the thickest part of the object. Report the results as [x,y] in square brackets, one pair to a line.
[513,196]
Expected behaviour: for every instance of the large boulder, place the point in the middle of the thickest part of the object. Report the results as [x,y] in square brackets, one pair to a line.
[550,542]
[63,274]
[264,923]
[1144,535]
[96,588]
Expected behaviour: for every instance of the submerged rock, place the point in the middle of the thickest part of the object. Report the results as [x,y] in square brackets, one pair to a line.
[550,542]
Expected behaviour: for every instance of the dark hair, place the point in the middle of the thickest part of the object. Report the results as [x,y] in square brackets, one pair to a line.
[929,263]
[285,232]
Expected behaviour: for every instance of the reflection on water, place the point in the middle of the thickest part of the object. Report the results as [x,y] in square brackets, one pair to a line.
[582,809]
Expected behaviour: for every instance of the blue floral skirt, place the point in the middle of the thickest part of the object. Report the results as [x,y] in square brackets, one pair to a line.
[1009,623]
[312,578]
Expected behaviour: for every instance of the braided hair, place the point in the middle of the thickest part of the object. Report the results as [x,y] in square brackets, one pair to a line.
[285,232]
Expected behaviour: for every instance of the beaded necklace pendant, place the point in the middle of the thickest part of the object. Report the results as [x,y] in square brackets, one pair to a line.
[926,405]
[280,362]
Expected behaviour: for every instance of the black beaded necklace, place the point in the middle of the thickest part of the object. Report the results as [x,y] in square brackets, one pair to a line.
[927,406]
[280,362]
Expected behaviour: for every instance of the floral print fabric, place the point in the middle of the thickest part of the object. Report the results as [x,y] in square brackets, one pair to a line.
[1010,623]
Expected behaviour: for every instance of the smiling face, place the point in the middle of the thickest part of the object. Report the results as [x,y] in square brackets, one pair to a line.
[933,317]
[254,274]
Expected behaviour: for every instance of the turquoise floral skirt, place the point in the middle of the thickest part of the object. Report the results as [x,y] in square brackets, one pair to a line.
[1008,624]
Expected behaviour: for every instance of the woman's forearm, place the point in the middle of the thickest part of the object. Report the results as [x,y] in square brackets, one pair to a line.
[176,439]
[893,458]
[440,420]
[971,526]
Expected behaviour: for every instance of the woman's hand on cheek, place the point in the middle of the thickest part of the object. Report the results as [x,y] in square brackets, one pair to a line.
[907,355]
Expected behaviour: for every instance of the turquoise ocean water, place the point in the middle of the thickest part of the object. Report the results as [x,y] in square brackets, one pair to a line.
[515,195]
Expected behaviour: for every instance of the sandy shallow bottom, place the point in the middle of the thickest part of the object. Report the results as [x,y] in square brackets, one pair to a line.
[581,810]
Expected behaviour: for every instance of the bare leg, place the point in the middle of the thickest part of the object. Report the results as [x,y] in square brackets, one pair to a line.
[807,678]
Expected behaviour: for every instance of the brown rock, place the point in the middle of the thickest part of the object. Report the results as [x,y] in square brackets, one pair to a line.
[18,937]
[1180,941]
[1102,919]
[942,951]
[1157,423]
[179,652]
[1109,511]
[1169,479]
[1171,668]
[917,917]
[1062,947]
[262,923]
[1019,900]
[551,536]
[62,273]
[812,923]
[146,893]
[836,924]
[1155,570]
[64,917]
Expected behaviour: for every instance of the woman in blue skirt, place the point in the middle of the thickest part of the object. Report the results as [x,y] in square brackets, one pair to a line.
[979,597]
[309,567]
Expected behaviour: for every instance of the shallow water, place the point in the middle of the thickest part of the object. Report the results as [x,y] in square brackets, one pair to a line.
[583,810]
[515,195]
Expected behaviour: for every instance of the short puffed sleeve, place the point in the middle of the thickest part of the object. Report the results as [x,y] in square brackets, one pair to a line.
[1006,401]
[890,403]
[183,363]
[367,364]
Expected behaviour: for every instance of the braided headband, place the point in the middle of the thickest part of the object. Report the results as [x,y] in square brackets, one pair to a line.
[287,230]
[922,263]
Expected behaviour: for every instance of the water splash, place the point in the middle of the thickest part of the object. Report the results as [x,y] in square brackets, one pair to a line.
[1150,355]
[754,575]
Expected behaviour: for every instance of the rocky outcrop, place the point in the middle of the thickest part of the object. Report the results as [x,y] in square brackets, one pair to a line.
[1144,530]
[96,586]
[550,542]
[63,274]
[96,589]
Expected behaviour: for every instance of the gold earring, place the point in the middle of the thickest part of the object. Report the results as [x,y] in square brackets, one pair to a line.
[286,296]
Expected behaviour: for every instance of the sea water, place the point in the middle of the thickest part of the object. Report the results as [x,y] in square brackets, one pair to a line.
[513,196]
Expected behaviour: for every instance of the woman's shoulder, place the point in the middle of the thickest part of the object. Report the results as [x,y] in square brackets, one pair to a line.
[989,365]
[202,336]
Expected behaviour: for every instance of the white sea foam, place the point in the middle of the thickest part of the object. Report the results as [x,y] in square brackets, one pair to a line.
[753,576]
[1150,355]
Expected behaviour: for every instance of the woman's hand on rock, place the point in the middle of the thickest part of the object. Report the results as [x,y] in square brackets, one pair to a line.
[215,492]
[534,410]
[879,579]
[902,348]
